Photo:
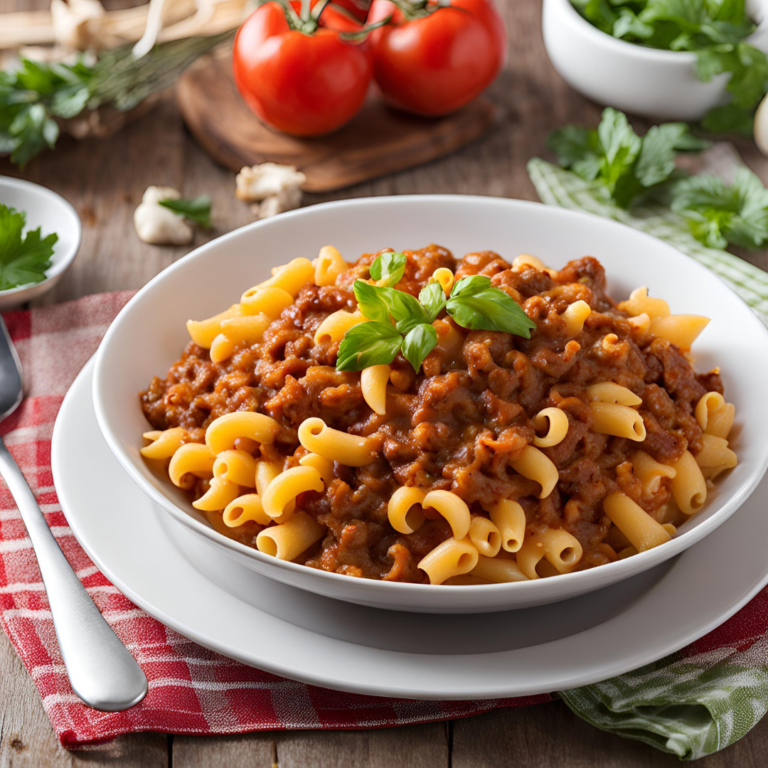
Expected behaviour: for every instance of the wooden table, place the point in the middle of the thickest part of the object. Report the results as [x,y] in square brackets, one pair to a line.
[104,180]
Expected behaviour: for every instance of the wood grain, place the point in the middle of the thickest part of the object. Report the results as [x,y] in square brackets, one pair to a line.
[104,181]
[377,141]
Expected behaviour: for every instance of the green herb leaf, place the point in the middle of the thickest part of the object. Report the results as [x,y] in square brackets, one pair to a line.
[719,214]
[432,298]
[388,268]
[23,258]
[418,343]
[475,304]
[716,30]
[404,308]
[197,210]
[629,167]
[368,344]
[371,301]
[35,94]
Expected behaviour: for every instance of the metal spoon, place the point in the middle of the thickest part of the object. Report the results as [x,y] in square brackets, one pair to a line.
[102,672]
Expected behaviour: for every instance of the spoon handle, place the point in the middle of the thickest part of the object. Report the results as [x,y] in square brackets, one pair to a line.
[102,671]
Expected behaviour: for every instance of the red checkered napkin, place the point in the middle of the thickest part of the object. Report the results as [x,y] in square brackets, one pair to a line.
[191,690]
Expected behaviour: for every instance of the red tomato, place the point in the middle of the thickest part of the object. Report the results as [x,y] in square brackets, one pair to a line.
[438,62]
[303,84]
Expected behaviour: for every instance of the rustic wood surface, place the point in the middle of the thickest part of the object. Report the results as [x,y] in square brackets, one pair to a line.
[378,141]
[105,180]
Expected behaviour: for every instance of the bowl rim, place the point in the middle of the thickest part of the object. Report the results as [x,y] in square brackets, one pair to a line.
[65,261]
[641,52]
[592,578]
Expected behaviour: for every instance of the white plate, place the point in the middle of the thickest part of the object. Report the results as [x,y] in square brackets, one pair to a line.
[150,333]
[193,588]
[52,213]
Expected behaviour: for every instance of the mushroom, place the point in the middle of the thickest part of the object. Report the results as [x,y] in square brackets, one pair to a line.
[158,225]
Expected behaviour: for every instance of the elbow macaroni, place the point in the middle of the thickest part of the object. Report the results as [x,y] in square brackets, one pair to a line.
[634,522]
[328,266]
[335,326]
[373,383]
[316,436]
[452,508]
[289,539]
[689,488]
[617,420]
[534,465]
[287,486]
[222,433]
[449,559]
[557,427]
[681,330]
[402,511]
[508,516]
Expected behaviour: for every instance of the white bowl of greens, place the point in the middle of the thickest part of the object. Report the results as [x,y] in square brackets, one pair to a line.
[39,238]
[662,59]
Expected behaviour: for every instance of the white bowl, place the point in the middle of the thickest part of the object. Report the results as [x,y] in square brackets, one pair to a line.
[633,78]
[52,213]
[149,335]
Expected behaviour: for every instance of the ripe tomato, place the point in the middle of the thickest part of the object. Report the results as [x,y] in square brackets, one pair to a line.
[432,60]
[304,82]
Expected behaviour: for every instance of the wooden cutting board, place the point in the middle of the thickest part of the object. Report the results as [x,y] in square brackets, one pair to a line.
[376,142]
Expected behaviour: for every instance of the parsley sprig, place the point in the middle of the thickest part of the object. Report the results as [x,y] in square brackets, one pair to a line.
[473,303]
[628,166]
[719,214]
[24,258]
[714,29]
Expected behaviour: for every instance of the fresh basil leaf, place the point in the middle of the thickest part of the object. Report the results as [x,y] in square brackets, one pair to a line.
[404,308]
[197,210]
[432,298]
[368,344]
[389,268]
[620,146]
[419,342]
[475,304]
[729,119]
[371,301]
[24,259]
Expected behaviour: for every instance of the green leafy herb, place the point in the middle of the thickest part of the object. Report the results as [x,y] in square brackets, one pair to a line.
[389,268]
[474,303]
[197,210]
[371,301]
[719,214]
[714,29]
[36,96]
[23,258]
[368,344]
[628,166]
[418,343]
[432,298]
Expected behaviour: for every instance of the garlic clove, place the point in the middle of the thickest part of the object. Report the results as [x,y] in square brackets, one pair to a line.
[258,182]
[761,126]
[161,226]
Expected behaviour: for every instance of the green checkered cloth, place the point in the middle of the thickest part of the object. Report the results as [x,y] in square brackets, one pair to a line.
[707,696]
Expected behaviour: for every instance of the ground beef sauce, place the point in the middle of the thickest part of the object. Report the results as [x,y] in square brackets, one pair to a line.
[459,423]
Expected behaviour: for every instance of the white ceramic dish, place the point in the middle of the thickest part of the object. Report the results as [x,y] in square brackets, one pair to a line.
[53,213]
[196,590]
[150,333]
[630,77]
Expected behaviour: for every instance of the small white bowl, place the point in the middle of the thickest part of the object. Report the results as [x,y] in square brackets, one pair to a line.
[52,213]
[150,334]
[634,78]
